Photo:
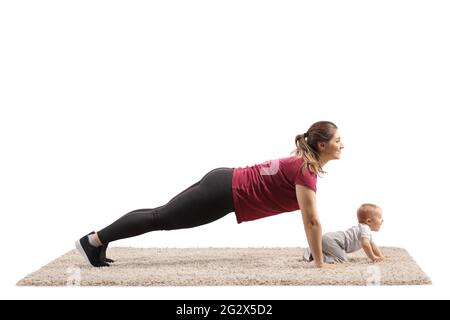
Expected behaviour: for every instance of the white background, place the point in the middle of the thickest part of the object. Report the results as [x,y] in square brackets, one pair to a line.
[111,106]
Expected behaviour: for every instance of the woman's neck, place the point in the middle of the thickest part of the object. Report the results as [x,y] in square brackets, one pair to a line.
[323,162]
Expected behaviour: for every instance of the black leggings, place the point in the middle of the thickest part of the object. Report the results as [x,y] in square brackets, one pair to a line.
[207,200]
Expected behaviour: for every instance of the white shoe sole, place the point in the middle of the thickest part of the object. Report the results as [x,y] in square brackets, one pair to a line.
[80,249]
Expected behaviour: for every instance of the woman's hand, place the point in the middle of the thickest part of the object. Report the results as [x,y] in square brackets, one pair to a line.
[324,265]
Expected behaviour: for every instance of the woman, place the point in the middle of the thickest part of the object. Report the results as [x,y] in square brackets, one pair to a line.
[273,187]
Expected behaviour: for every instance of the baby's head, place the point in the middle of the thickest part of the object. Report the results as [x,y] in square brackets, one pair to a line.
[371,215]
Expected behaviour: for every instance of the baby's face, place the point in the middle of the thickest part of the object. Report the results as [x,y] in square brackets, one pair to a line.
[376,220]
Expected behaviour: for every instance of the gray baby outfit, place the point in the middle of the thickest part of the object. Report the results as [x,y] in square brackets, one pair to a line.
[335,245]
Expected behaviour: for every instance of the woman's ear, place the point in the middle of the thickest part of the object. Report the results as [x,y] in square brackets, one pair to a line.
[321,146]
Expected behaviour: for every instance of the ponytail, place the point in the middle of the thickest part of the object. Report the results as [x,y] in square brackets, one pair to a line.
[309,155]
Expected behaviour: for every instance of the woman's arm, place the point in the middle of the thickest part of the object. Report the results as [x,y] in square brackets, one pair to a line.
[307,201]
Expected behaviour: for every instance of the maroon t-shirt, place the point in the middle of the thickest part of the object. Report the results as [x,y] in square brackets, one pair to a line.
[268,188]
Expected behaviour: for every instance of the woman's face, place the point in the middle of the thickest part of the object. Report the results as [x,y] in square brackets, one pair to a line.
[332,149]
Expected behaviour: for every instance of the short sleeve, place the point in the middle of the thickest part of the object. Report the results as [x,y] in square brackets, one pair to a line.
[365,231]
[306,178]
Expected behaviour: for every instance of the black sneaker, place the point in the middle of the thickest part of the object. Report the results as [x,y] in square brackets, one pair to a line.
[102,255]
[90,253]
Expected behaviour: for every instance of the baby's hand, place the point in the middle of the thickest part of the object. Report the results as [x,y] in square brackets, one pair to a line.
[378,259]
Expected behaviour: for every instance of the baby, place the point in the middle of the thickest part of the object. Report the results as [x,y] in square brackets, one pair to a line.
[335,245]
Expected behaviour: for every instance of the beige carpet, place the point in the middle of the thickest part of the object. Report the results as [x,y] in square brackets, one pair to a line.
[225,266]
